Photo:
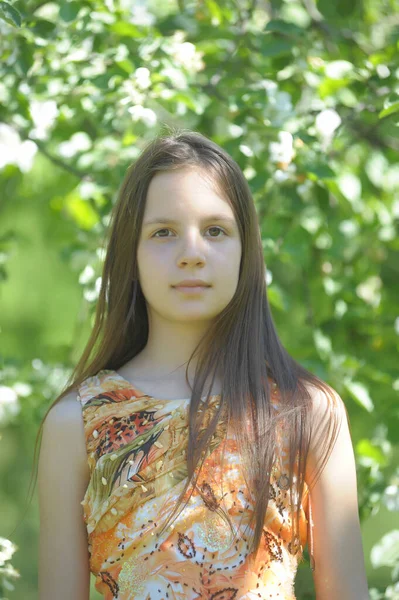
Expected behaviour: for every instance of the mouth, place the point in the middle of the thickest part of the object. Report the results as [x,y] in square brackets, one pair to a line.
[189,289]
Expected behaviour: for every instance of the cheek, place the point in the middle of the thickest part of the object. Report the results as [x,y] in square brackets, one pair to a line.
[153,265]
[229,261]
[147,256]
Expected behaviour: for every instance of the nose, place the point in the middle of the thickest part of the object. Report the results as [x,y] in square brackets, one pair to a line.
[191,249]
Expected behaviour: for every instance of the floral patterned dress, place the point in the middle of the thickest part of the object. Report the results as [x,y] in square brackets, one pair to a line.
[136,447]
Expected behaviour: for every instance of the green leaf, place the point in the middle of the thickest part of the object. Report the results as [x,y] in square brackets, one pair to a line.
[285,27]
[69,11]
[43,28]
[390,110]
[126,65]
[360,394]
[321,170]
[296,247]
[126,29]
[366,448]
[187,100]
[81,211]
[277,297]
[3,274]
[101,81]
[10,14]
[323,344]
[337,10]
[215,11]
[271,46]
[24,60]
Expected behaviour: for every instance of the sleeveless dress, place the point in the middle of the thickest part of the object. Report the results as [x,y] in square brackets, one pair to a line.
[136,447]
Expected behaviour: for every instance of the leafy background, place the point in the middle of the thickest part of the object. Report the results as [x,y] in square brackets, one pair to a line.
[305,96]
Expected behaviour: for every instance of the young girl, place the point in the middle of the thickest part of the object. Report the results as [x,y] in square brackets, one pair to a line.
[191,456]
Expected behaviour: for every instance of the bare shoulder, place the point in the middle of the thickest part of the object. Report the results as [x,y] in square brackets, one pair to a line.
[330,438]
[67,409]
[326,406]
[63,433]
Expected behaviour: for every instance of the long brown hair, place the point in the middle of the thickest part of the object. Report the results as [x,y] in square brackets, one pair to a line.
[242,340]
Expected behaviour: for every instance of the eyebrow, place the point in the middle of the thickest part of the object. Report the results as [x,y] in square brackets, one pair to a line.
[166,220]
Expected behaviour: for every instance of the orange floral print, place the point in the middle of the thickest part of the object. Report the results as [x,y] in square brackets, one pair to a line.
[136,447]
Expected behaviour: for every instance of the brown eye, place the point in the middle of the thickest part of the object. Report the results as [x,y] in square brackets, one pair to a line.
[217,229]
[165,229]
[209,228]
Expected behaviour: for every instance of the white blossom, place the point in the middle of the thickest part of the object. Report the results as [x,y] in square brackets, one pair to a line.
[188,56]
[142,77]
[146,115]
[139,15]
[7,549]
[86,275]
[370,290]
[327,122]
[283,150]
[13,151]
[22,389]
[78,142]
[44,114]
[9,405]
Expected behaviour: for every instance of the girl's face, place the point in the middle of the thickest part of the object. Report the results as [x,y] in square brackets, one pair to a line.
[188,232]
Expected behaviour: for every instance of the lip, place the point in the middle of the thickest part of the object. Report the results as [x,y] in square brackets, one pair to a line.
[186,283]
[190,289]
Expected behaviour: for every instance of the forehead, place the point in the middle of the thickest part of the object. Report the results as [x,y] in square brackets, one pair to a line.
[184,191]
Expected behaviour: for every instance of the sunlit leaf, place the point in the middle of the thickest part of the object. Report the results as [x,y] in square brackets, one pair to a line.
[366,448]
[393,108]
[125,29]
[81,211]
[361,394]
[276,297]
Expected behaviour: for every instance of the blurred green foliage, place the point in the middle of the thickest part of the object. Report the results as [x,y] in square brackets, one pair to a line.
[305,96]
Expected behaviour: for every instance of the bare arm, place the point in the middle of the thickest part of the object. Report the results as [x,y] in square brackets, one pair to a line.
[63,476]
[338,553]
